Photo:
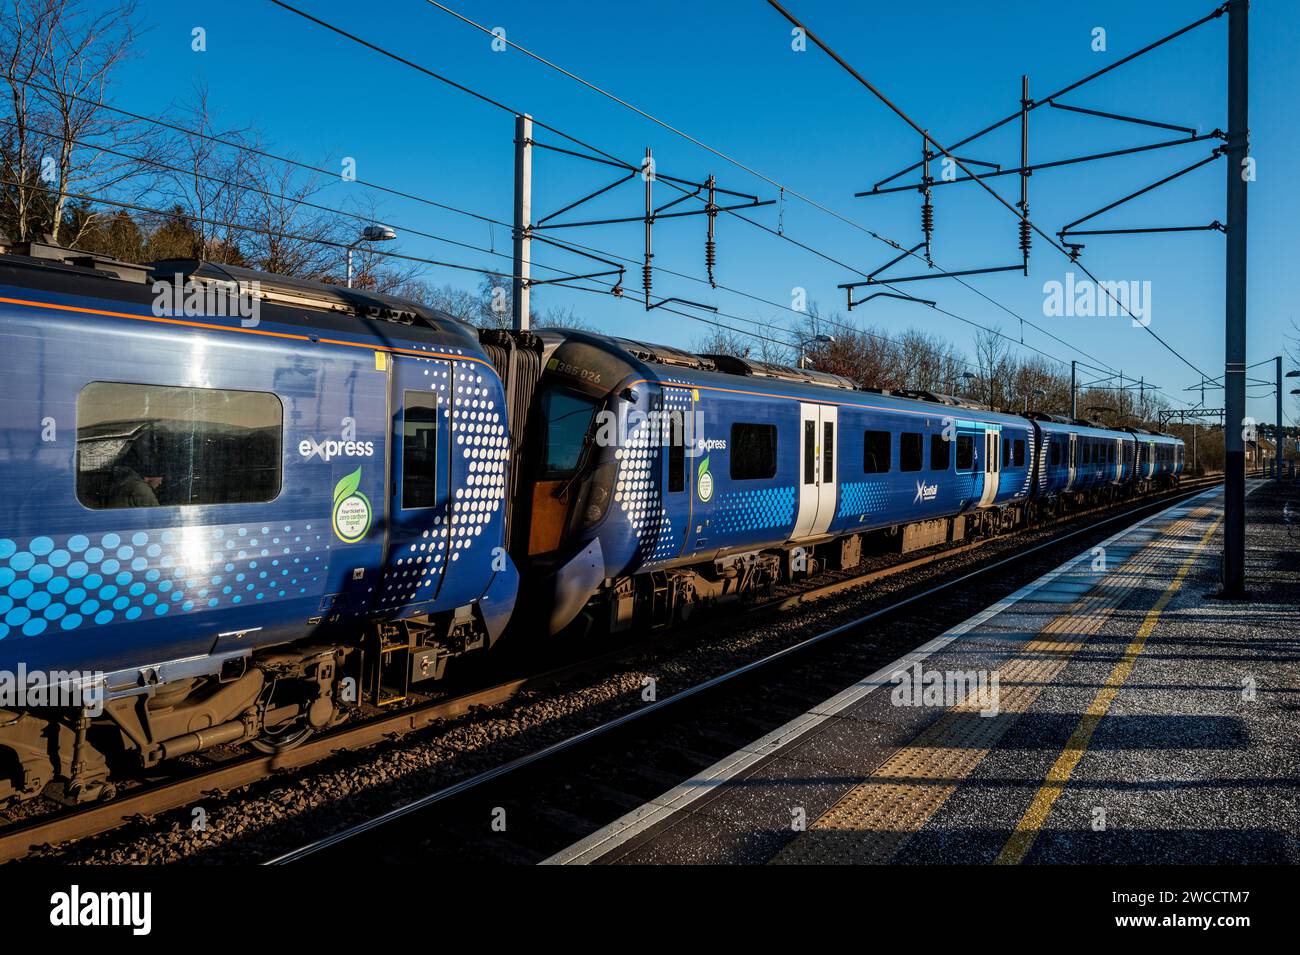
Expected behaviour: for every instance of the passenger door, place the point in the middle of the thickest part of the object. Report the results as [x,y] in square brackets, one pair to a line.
[1072,461]
[992,467]
[415,559]
[818,449]
[681,455]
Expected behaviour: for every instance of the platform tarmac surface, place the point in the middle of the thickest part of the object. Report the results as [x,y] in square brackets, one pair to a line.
[1114,711]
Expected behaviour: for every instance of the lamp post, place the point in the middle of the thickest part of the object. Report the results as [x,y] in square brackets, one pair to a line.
[815,339]
[371,233]
[1037,393]
[1281,430]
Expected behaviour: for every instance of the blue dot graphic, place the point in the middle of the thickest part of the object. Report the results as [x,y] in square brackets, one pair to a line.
[71,622]
[78,542]
[41,546]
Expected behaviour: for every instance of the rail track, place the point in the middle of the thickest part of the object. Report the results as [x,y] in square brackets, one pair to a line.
[671,739]
[149,799]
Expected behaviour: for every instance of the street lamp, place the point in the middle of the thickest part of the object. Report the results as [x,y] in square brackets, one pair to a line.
[1037,393]
[816,339]
[371,233]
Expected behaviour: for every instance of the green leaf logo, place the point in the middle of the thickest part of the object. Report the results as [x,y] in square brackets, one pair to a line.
[703,468]
[346,486]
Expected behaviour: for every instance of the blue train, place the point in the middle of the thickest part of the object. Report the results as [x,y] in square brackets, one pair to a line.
[239,505]
[730,475]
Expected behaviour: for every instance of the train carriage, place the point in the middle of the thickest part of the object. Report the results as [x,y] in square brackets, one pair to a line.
[741,470]
[186,491]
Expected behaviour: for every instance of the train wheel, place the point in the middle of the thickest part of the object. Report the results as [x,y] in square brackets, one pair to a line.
[283,739]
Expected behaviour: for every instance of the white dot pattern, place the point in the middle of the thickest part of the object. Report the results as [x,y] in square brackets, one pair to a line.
[638,487]
[480,439]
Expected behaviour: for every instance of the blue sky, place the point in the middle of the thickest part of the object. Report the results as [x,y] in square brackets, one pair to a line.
[725,72]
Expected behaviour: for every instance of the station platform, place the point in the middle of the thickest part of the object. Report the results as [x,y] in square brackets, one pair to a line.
[1113,711]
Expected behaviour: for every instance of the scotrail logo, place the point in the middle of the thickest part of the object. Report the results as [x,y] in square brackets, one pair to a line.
[925,492]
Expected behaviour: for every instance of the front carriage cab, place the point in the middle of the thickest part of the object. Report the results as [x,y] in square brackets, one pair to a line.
[240,506]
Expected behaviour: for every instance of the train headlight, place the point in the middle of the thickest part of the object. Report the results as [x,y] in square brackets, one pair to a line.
[598,494]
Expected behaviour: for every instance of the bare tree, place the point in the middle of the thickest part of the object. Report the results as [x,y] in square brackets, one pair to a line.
[59,59]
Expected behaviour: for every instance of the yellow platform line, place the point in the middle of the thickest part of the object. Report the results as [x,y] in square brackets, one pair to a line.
[905,791]
[1031,823]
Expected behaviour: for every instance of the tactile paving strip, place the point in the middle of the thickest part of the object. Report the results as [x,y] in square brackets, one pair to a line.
[873,820]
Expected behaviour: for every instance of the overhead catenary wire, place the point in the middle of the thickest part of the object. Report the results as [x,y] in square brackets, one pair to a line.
[780,232]
[961,165]
[493,221]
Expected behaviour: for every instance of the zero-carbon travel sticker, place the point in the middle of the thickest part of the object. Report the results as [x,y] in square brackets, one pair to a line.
[704,480]
[352,512]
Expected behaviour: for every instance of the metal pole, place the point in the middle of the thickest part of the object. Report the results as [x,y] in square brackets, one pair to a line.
[523,218]
[1074,390]
[1277,436]
[1234,372]
[647,268]
[349,266]
[1026,233]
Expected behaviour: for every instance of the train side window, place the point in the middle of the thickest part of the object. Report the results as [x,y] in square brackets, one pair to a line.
[810,452]
[1006,452]
[1056,452]
[753,452]
[419,448]
[1018,455]
[162,446]
[828,452]
[676,453]
[939,453]
[875,452]
[910,451]
[965,452]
